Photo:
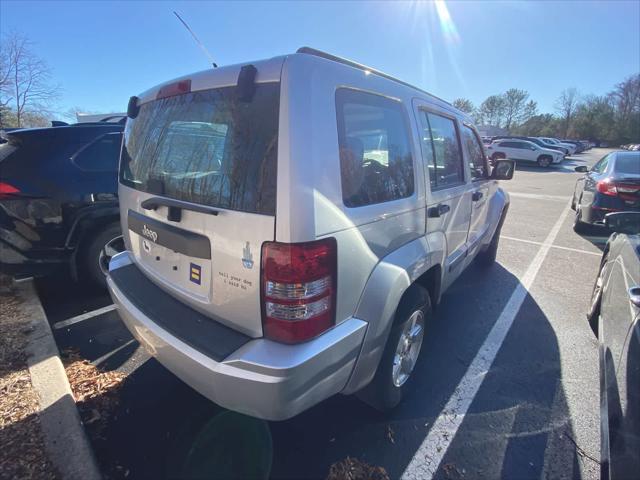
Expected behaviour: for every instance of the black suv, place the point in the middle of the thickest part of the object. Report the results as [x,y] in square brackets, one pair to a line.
[58,199]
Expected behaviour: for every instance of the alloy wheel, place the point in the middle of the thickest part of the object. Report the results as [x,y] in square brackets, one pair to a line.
[408,348]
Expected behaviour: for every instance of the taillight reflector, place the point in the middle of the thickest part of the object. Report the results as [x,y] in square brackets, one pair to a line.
[607,187]
[173,89]
[298,288]
[7,190]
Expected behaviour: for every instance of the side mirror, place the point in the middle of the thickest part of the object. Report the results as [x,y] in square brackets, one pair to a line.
[582,169]
[623,222]
[503,170]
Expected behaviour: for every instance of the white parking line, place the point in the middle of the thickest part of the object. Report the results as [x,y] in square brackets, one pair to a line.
[428,457]
[536,196]
[577,250]
[98,361]
[83,317]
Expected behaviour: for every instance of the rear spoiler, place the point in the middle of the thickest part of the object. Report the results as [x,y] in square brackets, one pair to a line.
[21,136]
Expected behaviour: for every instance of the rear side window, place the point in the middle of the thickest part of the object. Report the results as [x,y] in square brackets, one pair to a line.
[101,155]
[601,166]
[477,162]
[445,163]
[207,147]
[375,152]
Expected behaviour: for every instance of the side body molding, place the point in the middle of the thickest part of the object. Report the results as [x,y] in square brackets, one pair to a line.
[385,287]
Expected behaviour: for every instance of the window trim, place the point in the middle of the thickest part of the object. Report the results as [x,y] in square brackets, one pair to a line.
[425,109]
[484,157]
[79,152]
[408,130]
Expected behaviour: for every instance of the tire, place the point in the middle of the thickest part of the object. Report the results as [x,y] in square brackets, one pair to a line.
[393,376]
[544,161]
[593,315]
[578,225]
[100,245]
[487,257]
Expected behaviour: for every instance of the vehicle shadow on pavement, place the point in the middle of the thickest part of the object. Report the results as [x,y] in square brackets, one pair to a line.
[518,426]
[567,166]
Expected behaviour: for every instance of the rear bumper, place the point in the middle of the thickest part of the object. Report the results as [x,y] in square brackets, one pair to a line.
[261,378]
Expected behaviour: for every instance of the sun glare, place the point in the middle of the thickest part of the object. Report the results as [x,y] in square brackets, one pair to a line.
[448,28]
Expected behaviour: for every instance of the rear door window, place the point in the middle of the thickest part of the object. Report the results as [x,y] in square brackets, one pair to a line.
[101,155]
[376,161]
[445,165]
[207,147]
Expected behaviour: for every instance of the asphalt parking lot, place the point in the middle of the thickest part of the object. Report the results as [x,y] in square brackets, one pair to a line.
[533,412]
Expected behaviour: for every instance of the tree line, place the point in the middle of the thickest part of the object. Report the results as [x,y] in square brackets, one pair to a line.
[613,118]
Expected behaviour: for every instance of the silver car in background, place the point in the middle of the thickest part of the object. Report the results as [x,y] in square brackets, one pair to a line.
[289,225]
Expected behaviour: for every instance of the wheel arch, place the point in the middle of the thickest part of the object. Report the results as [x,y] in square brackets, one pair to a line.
[413,263]
[86,223]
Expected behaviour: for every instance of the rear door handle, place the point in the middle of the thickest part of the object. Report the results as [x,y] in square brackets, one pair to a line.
[439,210]
[477,196]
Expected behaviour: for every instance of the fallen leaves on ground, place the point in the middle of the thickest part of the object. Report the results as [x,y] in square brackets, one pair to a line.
[22,454]
[354,469]
[95,391]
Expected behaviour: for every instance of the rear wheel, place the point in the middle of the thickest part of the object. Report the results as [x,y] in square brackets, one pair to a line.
[578,225]
[544,161]
[100,247]
[402,350]
[593,315]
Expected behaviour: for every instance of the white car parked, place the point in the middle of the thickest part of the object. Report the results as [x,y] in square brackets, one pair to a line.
[523,150]
[571,149]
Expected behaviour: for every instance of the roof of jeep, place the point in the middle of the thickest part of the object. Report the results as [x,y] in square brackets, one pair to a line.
[269,70]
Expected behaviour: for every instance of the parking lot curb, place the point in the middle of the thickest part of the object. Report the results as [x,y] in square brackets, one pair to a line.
[65,439]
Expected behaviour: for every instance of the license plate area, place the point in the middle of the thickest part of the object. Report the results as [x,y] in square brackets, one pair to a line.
[179,258]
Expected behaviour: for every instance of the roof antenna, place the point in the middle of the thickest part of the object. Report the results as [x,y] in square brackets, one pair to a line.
[202,47]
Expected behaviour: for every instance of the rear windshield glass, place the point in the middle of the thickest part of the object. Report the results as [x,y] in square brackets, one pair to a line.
[628,163]
[206,147]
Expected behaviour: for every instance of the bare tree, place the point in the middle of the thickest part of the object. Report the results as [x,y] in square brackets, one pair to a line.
[514,106]
[25,79]
[566,105]
[491,111]
[627,97]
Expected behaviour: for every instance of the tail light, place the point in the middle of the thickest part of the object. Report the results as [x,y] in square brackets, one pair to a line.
[607,187]
[298,288]
[8,191]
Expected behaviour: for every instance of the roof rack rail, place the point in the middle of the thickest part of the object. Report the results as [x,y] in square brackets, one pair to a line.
[359,66]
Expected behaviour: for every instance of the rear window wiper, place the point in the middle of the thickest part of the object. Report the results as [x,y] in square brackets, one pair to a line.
[176,206]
